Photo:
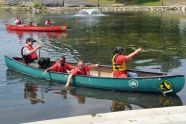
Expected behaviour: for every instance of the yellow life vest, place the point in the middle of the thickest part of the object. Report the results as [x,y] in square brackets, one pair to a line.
[118,66]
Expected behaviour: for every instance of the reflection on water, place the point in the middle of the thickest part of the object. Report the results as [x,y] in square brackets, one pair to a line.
[40,35]
[120,106]
[30,92]
[126,99]
[120,100]
[64,92]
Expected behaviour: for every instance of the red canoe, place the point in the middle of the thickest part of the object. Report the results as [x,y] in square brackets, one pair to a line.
[37,28]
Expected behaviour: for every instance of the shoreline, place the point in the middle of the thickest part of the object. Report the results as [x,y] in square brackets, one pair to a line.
[116,9]
[166,115]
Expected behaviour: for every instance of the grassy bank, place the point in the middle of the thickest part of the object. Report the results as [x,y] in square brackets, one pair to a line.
[127,2]
[139,2]
[102,3]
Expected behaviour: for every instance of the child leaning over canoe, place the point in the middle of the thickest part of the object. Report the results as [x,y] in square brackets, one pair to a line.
[81,69]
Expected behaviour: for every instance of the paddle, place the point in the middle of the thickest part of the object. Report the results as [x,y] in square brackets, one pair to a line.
[39,54]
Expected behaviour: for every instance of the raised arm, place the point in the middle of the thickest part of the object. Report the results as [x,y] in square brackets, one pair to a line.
[130,56]
[34,50]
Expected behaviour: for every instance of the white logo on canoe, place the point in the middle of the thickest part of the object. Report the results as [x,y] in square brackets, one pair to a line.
[133,83]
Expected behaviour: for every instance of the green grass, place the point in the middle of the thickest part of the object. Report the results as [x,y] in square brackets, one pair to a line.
[151,4]
[37,4]
[148,2]
[127,2]
[1,3]
[103,2]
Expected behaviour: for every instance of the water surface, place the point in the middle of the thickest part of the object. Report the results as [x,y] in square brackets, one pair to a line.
[25,99]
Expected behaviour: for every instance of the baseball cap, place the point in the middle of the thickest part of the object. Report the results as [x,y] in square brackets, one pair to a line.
[30,39]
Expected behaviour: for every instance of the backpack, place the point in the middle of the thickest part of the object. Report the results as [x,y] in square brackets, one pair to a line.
[44,62]
[25,57]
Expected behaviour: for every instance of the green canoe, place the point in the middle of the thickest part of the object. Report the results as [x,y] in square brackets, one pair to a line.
[82,94]
[145,82]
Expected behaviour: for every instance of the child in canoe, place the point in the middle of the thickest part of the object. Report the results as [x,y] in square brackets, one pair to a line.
[119,62]
[60,66]
[81,69]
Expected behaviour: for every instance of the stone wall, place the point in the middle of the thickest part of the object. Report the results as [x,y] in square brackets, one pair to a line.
[51,3]
[174,2]
[1,1]
[144,8]
[75,5]
[122,9]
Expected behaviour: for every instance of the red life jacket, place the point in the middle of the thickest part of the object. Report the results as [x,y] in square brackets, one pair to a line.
[60,68]
[85,71]
[18,22]
[48,23]
[82,72]
[33,55]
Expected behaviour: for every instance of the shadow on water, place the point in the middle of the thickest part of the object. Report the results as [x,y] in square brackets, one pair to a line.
[144,100]
[30,93]
[50,35]
[120,100]
[32,86]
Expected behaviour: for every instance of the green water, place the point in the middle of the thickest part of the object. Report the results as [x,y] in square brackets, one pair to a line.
[92,38]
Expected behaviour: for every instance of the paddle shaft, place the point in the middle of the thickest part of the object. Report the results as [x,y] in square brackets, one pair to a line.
[39,53]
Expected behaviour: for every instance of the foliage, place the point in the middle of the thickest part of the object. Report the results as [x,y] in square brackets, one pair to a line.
[102,2]
[128,2]
[1,3]
[139,2]
[152,4]
[38,4]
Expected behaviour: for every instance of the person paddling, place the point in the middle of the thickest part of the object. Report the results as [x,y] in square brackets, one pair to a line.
[18,21]
[48,23]
[28,52]
[119,62]
[30,24]
[81,69]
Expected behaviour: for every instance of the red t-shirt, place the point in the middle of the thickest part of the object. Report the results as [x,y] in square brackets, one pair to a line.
[120,74]
[57,67]
[84,71]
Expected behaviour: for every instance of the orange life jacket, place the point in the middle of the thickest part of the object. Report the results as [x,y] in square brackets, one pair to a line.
[118,66]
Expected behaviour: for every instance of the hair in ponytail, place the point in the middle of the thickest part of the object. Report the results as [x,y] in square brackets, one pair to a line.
[118,50]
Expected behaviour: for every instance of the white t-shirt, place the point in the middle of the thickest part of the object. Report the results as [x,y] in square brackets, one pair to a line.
[17,21]
[26,51]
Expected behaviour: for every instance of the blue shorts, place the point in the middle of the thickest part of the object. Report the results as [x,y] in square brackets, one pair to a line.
[132,74]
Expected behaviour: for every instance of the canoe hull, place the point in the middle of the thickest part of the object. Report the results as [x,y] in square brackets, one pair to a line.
[37,28]
[146,84]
